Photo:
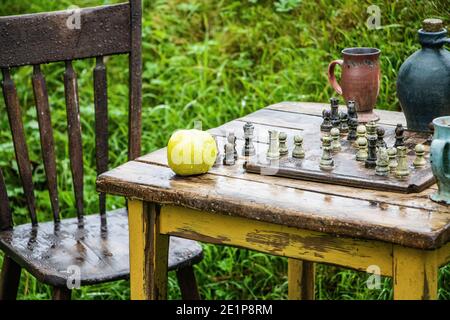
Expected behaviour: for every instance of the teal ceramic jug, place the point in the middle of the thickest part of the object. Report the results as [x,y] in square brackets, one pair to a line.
[440,159]
[423,83]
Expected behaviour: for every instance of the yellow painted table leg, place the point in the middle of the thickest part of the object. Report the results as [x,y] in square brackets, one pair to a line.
[301,280]
[148,252]
[415,274]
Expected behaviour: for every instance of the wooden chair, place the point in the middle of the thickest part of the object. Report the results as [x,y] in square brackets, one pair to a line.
[99,249]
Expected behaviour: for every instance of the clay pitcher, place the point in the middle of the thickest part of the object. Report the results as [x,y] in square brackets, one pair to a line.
[440,159]
[360,79]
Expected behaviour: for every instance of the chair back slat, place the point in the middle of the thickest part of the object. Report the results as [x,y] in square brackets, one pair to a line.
[20,146]
[46,136]
[101,128]
[135,70]
[5,212]
[37,39]
[74,132]
[64,35]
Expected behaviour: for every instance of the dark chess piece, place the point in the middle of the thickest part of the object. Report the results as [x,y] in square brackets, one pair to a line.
[344,123]
[371,161]
[430,137]
[353,125]
[283,148]
[249,148]
[326,124]
[399,136]
[371,128]
[335,119]
[351,106]
[380,138]
[326,161]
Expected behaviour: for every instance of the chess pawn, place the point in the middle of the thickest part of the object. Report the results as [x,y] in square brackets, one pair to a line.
[326,162]
[298,151]
[382,164]
[371,160]
[335,119]
[399,136]
[232,140]
[392,154]
[283,149]
[229,159]
[343,128]
[326,124]
[353,124]
[402,170]
[274,146]
[360,133]
[249,148]
[419,161]
[362,154]
[380,138]
[335,136]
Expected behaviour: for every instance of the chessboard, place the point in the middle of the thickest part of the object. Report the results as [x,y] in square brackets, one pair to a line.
[347,170]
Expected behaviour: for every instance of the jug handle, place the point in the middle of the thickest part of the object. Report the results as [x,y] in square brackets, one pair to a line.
[439,148]
[332,77]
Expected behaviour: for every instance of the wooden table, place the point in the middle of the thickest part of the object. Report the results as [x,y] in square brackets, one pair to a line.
[405,235]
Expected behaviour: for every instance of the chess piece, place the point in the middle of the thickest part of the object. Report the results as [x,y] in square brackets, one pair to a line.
[402,170]
[352,114]
[353,124]
[362,154]
[431,128]
[219,154]
[361,131]
[371,160]
[419,161]
[249,148]
[335,136]
[229,158]
[298,151]
[326,162]
[283,149]
[382,164]
[335,119]
[274,146]
[343,128]
[380,138]
[326,124]
[392,154]
[371,129]
[232,139]
[399,136]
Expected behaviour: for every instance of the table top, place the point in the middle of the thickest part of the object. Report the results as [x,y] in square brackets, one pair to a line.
[407,219]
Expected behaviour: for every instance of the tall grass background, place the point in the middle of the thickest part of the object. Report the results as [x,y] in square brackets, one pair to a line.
[213,61]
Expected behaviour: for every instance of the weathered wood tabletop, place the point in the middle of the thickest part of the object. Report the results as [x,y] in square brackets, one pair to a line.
[404,236]
[411,220]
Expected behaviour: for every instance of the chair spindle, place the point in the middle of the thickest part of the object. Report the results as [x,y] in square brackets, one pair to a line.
[5,212]
[20,146]
[46,136]
[101,128]
[74,132]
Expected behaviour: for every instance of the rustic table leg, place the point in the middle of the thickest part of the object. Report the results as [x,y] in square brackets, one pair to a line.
[301,280]
[148,252]
[415,274]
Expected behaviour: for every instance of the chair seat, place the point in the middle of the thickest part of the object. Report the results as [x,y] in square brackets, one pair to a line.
[50,255]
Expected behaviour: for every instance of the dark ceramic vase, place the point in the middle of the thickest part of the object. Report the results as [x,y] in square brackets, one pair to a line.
[423,84]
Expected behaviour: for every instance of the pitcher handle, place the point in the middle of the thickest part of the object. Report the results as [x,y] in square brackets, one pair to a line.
[438,150]
[332,77]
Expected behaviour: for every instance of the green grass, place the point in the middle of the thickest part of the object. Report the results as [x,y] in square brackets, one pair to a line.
[214,60]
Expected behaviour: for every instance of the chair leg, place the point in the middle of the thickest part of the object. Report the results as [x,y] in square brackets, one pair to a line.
[9,279]
[62,293]
[188,283]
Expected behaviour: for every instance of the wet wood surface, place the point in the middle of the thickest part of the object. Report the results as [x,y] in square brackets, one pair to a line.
[47,252]
[407,219]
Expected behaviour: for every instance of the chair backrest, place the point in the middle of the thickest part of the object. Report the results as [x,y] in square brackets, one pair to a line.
[36,39]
